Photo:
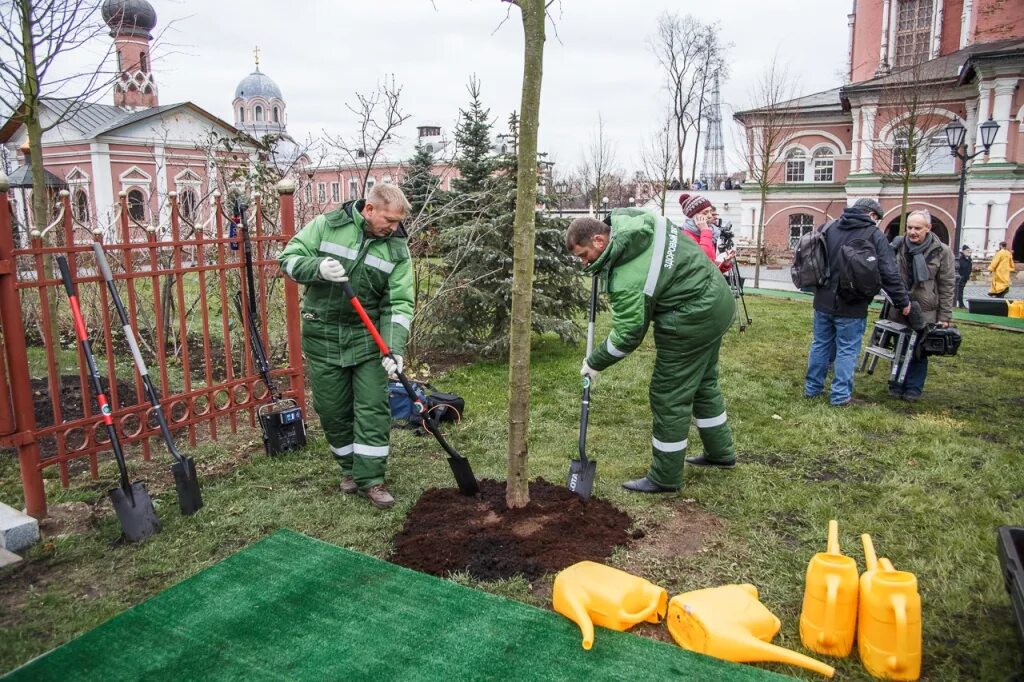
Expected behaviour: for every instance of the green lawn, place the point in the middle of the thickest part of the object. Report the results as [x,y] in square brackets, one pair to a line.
[930,482]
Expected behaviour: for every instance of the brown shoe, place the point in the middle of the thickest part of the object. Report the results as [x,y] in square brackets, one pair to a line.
[379,496]
[348,485]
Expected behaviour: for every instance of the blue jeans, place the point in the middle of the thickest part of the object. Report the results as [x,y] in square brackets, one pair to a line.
[839,338]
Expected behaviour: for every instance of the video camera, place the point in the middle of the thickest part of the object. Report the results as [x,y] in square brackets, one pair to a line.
[726,237]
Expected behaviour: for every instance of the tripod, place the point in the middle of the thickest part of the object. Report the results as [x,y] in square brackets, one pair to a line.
[732,276]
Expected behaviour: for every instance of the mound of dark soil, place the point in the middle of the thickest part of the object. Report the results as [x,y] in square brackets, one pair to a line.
[447,532]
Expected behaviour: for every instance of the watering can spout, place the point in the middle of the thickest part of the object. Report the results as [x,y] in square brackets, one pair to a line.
[729,622]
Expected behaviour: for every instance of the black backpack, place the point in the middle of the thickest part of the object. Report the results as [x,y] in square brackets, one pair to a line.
[810,260]
[859,277]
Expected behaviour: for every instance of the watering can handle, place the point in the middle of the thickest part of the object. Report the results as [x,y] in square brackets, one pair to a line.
[886,564]
[899,606]
[831,601]
[870,558]
[644,613]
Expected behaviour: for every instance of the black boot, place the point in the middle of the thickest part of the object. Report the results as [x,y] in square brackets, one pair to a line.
[702,461]
[646,485]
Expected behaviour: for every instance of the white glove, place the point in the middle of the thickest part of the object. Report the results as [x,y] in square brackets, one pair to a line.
[332,271]
[392,367]
[589,372]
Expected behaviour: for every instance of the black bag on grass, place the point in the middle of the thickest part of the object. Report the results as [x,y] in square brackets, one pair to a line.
[445,407]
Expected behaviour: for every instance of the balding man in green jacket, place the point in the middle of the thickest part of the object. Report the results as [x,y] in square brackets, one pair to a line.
[653,275]
[362,243]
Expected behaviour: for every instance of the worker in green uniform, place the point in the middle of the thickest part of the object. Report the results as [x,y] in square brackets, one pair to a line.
[653,275]
[362,243]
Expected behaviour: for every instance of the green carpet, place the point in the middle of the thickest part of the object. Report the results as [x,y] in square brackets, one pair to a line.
[291,607]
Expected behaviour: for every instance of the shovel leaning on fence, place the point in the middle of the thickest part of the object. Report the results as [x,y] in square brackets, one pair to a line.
[131,500]
[463,473]
[184,468]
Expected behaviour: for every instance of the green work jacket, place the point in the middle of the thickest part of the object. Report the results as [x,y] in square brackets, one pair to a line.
[653,275]
[380,272]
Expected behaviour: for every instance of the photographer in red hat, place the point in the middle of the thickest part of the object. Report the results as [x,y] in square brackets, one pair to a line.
[699,226]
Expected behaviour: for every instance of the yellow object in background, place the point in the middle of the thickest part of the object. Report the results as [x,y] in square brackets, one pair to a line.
[730,623]
[594,594]
[828,621]
[889,619]
[1015,309]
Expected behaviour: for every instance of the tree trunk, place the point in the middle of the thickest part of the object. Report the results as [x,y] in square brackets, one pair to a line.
[760,235]
[517,491]
[680,144]
[903,206]
[40,215]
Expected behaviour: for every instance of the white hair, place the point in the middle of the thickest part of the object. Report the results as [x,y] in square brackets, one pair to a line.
[923,213]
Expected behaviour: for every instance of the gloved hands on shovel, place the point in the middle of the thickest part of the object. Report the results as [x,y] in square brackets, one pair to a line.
[332,271]
[589,372]
[392,367]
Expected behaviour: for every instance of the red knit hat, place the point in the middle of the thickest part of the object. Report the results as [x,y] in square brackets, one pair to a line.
[693,204]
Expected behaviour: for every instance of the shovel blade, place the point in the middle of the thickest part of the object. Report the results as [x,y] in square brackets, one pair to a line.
[581,477]
[190,500]
[464,477]
[135,511]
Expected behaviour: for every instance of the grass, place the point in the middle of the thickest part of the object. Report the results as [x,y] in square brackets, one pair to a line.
[929,481]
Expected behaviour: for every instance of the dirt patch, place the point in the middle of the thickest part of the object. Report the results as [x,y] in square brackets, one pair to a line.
[683,535]
[447,532]
[67,518]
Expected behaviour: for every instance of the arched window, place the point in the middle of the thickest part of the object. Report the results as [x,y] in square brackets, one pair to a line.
[188,205]
[913,32]
[241,114]
[277,115]
[257,112]
[796,165]
[799,225]
[904,154]
[824,165]
[136,205]
[80,205]
[143,62]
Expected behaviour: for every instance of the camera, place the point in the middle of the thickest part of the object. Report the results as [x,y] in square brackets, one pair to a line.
[726,237]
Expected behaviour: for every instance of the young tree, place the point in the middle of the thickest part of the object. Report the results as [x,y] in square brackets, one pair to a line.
[517,493]
[421,185]
[769,123]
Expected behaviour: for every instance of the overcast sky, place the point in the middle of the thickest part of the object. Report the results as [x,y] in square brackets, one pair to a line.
[597,59]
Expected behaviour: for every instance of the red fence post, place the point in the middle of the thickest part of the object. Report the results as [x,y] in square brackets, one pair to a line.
[286,190]
[17,362]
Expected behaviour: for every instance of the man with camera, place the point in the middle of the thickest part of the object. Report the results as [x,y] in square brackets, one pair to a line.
[926,266]
[841,318]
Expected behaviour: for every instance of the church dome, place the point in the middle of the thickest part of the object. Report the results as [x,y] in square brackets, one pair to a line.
[258,84]
[129,17]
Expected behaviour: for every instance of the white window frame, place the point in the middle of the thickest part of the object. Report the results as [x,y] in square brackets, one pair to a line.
[794,157]
[335,192]
[321,192]
[821,159]
[353,189]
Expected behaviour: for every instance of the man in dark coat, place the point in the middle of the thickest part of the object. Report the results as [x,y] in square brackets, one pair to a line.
[964,265]
[839,323]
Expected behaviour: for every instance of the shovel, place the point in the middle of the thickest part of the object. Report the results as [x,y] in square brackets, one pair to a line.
[464,477]
[583,470]
[131,500]
[184,469]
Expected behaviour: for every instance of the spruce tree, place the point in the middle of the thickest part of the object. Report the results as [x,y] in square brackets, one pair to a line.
[478,253]
[421,186]
[473,139]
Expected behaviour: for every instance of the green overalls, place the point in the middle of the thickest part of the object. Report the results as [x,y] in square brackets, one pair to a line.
[653,273]
[349,384]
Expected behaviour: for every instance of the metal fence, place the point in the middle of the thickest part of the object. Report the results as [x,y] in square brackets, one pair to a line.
[177,285]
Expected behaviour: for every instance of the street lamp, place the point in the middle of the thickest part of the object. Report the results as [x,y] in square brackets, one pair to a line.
[604,204]
[632,202]
[955,138]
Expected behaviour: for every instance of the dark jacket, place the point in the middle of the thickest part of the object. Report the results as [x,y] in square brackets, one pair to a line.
[964,265]
[935,295]
[856,224]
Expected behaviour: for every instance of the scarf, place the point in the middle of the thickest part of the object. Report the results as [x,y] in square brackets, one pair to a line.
[917,268]
[692,228]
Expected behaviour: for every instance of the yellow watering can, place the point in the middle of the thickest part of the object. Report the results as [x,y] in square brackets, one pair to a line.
[828,622]
[730,623]
[889,625]
[1015,309]
[594,594]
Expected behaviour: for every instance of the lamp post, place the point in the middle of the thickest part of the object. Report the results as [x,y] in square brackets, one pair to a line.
[955,138]
[604,205]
